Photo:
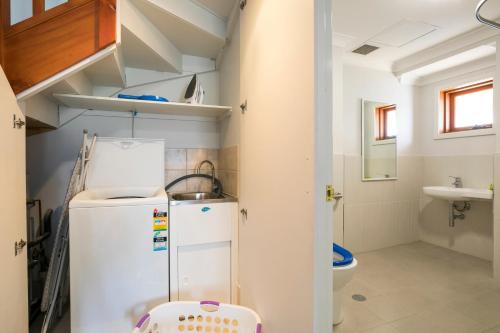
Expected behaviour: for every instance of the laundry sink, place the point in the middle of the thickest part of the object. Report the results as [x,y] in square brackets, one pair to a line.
[198,197]
[458,194]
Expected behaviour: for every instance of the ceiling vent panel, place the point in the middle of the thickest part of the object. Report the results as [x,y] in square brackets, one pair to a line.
[402,33]
[365,49]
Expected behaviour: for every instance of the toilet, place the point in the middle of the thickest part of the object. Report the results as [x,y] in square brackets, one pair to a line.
[343,270]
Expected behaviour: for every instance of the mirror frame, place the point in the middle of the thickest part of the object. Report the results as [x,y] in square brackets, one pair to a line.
[363,179]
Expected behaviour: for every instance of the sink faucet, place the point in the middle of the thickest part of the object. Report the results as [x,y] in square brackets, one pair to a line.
[212,167]
[457,183]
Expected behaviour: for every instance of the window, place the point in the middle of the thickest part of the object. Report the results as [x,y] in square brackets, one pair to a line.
[467,108]
[386,123]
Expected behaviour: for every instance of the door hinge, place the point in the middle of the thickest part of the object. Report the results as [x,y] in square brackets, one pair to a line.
[18,246]
[17,123]
[243,4]
[243,106]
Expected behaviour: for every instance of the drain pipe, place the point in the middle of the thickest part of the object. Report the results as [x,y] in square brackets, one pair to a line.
[460,211]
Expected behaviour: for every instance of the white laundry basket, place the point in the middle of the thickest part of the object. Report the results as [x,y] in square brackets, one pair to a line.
[204,316]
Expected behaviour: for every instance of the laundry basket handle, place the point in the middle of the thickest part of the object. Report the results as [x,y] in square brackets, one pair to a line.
[142,320]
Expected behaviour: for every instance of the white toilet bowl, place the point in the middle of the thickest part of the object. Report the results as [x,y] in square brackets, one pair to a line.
[343,270]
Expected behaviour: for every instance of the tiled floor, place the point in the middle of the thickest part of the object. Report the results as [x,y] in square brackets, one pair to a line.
[421,288]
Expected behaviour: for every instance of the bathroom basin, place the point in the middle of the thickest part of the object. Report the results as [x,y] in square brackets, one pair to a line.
[198,198]
[458,194]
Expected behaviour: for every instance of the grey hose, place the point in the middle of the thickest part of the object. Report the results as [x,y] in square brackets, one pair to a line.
[217,184]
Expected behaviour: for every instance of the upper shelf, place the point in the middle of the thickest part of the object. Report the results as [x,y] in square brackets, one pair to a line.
[130,105]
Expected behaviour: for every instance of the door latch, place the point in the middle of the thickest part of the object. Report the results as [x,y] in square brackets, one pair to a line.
[17,123]
[329,193]
[18,246]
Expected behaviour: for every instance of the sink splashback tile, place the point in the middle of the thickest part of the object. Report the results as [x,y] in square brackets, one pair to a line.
[180,161]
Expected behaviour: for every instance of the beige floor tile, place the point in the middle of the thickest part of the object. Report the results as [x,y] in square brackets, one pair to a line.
[386,328]
[421,288]
[438,320]
[493,330]
[357,286]
[397,305]
[484,308]
[358,317]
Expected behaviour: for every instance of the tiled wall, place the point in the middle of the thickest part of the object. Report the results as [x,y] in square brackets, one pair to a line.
[180,162]
[229,170]
[380,214]
[385,213]
[474,234]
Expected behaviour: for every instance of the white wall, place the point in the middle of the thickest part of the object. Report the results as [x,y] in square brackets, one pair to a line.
[51,155]
[338,142]
[379,214]
[427,97]
[496,203]
[364,83]
[470,158]
[230,90]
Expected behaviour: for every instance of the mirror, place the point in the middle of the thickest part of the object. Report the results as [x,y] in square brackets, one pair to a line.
[379,141]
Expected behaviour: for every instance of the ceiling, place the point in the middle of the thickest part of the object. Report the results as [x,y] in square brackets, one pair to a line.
[221,8]
[359,21]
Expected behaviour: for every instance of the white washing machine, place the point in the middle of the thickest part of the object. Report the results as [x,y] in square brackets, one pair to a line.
[119,265]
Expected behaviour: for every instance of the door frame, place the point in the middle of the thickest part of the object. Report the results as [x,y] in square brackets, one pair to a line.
[323,220]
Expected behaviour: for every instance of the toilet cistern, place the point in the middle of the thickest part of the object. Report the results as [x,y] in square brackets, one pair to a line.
[457,183]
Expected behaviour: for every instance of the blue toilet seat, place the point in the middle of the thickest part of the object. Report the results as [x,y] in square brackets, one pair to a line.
[347,257]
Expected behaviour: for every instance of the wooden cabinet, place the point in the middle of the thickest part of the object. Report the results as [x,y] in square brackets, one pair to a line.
[51,41]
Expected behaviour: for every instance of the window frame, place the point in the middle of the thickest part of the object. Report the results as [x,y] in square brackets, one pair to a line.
[447,101]
[381,122]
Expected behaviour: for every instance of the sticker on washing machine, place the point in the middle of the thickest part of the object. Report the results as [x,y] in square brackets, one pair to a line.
[160,241]
[160,220]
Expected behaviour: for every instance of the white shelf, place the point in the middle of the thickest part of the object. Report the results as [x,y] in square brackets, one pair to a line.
[129,105]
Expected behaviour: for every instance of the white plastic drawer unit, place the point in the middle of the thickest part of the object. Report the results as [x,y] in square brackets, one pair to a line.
[203,251]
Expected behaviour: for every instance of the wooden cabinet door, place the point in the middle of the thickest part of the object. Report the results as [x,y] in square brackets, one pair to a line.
[14,278]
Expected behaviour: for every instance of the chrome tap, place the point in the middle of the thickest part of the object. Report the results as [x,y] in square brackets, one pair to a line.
[198,170]
[457,183]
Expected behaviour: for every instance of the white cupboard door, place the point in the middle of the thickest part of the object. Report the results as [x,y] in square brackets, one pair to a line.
[205,272]
[276,258]
[14,278]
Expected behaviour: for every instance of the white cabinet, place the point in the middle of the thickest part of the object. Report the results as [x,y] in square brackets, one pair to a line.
[203,251]
[204,272]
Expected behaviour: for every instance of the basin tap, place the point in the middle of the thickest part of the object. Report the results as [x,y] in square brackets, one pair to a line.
[457,182]
[212,167]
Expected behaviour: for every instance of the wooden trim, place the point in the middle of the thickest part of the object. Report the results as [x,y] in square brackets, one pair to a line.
[448,112]
[5,14]
[42,17]
[44,50]
[1,45]
[51,41]
[106,23]
[381,121]
[38,7]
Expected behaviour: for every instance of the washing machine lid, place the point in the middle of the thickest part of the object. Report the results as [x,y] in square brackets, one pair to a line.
[123,196]
[122,162]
